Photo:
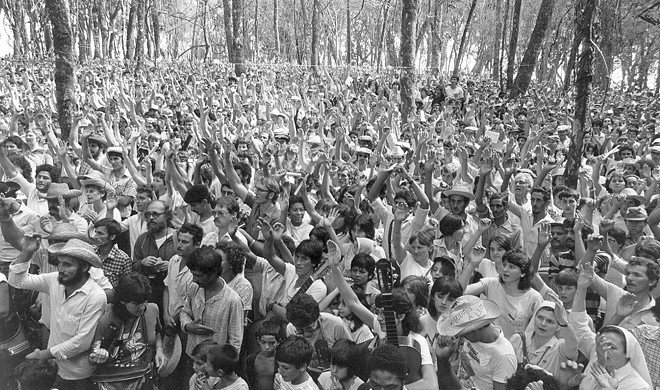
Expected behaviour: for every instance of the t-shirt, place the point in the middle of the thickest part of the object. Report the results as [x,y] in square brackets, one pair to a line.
[515,311]
[410,267]
[280,384]
[239,384]
[481,364]
[327,382]
[317,290]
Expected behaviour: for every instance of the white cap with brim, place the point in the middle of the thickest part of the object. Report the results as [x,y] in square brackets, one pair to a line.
[468,313]
[460,190]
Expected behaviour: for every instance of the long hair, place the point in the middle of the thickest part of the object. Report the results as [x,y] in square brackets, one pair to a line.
[520,260]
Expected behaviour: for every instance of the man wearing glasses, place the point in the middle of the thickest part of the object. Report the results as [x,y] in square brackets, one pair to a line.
[154,249]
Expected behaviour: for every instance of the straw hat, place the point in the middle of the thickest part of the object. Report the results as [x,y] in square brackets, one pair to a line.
[460,190]
[56,190]
[78,249]
[636,214]
[630,193]
[172,351]
[468,313]
[63,231]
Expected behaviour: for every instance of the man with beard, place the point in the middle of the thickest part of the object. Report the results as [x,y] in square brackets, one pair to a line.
[96,145]
[78,304]
[225,212]
[136,224]
[154,249]
[642,276]
[35,192]
[531,220]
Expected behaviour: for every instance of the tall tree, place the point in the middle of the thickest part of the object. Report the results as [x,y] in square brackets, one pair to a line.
[528,63]
[139,39]
[238,44]
[497,72]
[461,48]
[229,29]
[513,44]
[407,55]
[276,26]
[314,55]
[63,48]
[348,32]
[583,95]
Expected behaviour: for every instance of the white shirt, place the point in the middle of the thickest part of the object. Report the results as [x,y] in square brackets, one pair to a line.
[177,281]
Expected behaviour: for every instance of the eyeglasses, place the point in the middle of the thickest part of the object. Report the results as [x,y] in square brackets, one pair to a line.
[259,189]
[155,214]
[401,205]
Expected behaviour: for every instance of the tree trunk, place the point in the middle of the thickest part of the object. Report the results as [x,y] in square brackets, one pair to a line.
[606,44]
[583,84]
[130,44]
[528,62]
[497,72]
[407,55]
[570,65]
[237,48]
[155,22]
[139,39]
[435,38]
[349,49]
[276,26]
[314,55]
[503,44]
[229,32]
[64,80]
[381,38]
[513,44]
[461,48]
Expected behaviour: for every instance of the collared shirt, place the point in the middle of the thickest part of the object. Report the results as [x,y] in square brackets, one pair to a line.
[530,234]
[244,290]
[35,202]
[223,313]
[136,225]
[648,336]
[177,281]
[124,185]
[72,324]
[146,246]
[508,230]
[270,212]
[116,264]
[272,284]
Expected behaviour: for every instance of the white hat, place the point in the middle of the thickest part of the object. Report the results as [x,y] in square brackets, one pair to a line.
[468,313]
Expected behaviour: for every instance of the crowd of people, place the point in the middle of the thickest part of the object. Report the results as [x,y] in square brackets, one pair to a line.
[292,230]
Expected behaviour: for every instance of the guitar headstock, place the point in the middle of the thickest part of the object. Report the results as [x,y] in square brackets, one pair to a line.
[388,274]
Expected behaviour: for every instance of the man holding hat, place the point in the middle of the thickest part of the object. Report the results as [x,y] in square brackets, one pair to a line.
[487,358]
[77,302]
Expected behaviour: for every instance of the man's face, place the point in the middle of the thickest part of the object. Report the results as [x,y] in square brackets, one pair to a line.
[569,204]
[498,208]
[116,162]
[384,380]
[94,150]
[539,204]
[42,181]
[101,236]
[262,194]
[203,280]
[227,191]
[457,204]
[70,271]
[199,207]
[626,154]
[558,237]
[636,280]
[222,216]
[156,217]
[290,372]
[635,228]
[296,214]
[185,245]
[566,293]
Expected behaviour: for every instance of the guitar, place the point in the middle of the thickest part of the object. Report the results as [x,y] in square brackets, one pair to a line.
[388,275]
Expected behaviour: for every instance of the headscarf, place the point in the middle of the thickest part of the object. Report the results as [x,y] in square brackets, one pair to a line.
[635,358]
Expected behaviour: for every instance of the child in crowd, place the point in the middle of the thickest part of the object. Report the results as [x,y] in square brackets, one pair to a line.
[293,357]
[260,367]
[35,375]
[222,363]
[344,363]
[363,268]
[199,356]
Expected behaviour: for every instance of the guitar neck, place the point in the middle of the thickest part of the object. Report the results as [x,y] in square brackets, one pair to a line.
[391,334]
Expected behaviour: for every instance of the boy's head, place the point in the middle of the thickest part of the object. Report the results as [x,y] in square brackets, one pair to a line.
[566,282]
[222,360]
[268,337]
[199,355]
[344,359]
[569,199]
[363,267]
[293,356]
[36,374]
[302,311]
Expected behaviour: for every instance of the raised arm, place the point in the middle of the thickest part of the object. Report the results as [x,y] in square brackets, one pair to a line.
[232,176]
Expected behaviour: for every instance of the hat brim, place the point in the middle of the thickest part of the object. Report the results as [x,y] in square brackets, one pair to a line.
[468,195]
[58,249]
[172,351]
[445,328]
[635,219]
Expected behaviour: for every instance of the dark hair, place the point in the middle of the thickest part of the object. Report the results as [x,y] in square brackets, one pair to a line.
[566,277]
[111,226]
[648,247]
[520,260]
[524,376]
[502,241]
[223,357]
[402,305]
[230,203]
[447,266]
[499,196]
[312,249]
[618,234]
[406,195]
[294,350]
[195,231]
[37,374]
[302,310]
[450,224]
[201,350]
[366,223]
[344,353]
[234,255]
[272,187]
[147,190]
[160,174]
[652,269]
[197,194]
[444,285]
[294,199]
[22,163]
[131,287]
[269,328]
[364,260]
[569,193]
[419,287]
[16,140]
[349,214]
[205,260]
[54,174]
[390,359]
[542,191]
[244,169]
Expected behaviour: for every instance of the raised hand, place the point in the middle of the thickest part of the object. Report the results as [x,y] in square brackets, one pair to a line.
[544,234]
[330,219]
[278,231]
[605,380]
[560,311]
[484,224]
[605,226]
[594,242]
[626,305]
[478,253]
[98,354]
[334,253]
[586,276]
